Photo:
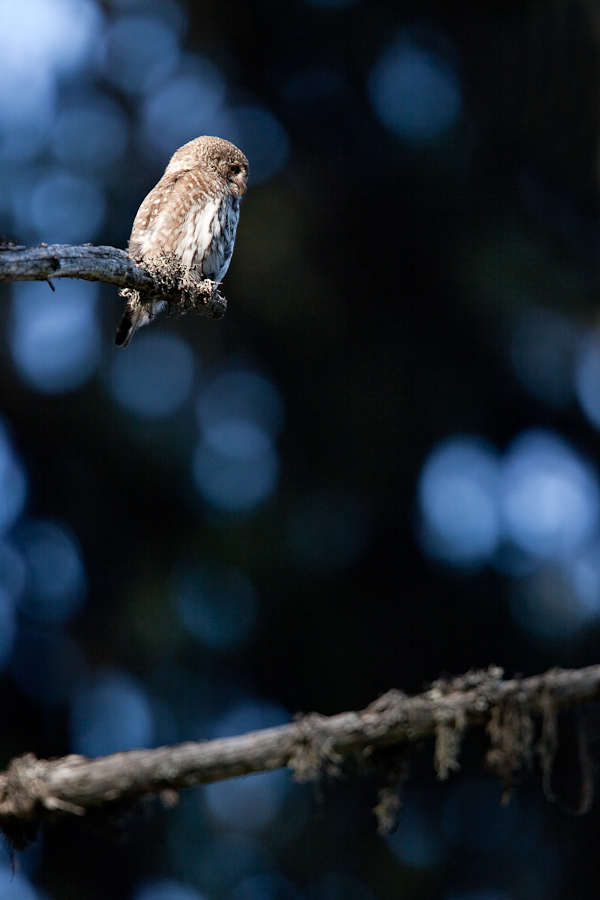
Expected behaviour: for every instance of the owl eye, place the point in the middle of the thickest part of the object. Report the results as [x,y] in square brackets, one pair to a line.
[234,169]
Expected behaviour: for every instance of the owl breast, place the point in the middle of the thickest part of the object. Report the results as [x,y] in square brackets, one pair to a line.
[207,236]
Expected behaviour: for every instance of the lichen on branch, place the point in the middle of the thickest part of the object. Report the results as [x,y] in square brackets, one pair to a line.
[32,789]
[166,279]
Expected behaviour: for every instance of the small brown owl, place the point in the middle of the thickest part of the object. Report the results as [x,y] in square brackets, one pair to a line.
[192,212]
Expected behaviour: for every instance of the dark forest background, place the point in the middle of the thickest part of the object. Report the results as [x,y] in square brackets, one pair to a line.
[380,466]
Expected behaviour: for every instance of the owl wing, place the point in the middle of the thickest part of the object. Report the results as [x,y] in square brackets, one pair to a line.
[175,217]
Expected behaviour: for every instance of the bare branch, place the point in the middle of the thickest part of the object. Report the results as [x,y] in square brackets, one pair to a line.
[168,280]
[32,789]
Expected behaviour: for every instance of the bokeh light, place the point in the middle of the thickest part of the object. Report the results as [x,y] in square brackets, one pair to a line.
[171,11]
[262,138]
[587,377]
[185,106]
[154,378]
[253,802]
[13,571]
[540,501]
[236,464]
[550,498]
[249,803]
[534,513]
[56,580]
[15,885]
[60,207]
[90,135]
[140,52]
[414,90]
[249,715]
[51,35]
[458,501]
[241,394]
[13,482]
[24,127]
[55,338]
[109,713]
[41,41]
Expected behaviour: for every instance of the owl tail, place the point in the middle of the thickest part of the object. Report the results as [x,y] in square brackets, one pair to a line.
[136,314]
[125,329]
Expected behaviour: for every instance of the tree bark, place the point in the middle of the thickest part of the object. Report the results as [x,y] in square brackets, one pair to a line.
[167,280]
[32,789]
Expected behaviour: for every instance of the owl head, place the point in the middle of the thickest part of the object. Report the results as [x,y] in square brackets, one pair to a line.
[212,155]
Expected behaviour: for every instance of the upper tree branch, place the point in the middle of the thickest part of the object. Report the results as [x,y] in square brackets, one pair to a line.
[168,280]
[31,789]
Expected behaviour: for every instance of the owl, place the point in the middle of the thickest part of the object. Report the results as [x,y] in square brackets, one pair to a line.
[193,213]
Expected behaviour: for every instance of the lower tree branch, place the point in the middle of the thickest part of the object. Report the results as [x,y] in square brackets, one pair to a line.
[32,789]
[167,280]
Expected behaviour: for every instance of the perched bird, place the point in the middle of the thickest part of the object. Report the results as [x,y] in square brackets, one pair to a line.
[193,213]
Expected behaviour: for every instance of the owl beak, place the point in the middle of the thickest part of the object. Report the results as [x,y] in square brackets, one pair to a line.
[242,187]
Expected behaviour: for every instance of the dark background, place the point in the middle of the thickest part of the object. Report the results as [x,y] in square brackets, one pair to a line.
[401,477]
